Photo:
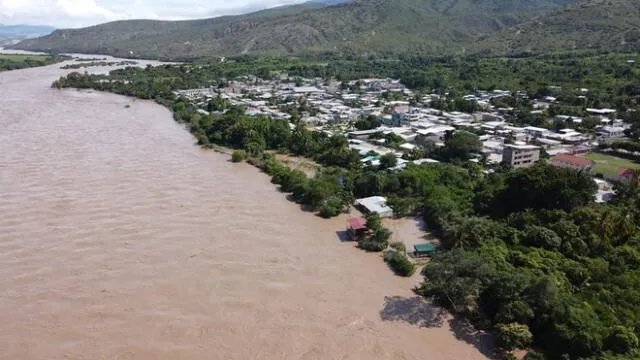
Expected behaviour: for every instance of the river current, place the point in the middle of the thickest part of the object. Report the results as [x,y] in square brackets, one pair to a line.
[121,239]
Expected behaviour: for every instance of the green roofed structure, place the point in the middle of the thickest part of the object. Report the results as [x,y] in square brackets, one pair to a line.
[421,250]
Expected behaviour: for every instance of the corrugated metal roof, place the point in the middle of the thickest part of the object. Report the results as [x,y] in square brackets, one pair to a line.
[357,223]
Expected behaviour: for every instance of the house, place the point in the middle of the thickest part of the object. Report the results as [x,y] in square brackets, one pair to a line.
[425,161]
[375,204]
[605,191]
[356,228]
[407,147]
[601,112]
[573,162]
[624,175]
[520,156]
[611,131]
[535,131]
[603,184]
[306,89]
[362,134]
[398,117]
[435,133]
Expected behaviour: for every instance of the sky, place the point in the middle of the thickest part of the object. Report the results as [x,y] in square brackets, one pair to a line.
[79,13]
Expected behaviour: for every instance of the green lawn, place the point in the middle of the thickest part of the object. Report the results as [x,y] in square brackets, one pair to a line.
[609,165]
[20,57]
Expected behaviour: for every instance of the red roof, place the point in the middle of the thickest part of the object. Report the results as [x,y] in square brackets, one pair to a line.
[573,160]
[357,223]
[625,172]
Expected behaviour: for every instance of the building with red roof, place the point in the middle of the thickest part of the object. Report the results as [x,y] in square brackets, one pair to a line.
[357,227]
[624,174]
[573,162]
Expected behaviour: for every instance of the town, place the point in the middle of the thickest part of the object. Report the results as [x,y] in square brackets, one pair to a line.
[382,117]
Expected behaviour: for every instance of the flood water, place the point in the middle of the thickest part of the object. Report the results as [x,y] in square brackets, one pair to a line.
[121,239]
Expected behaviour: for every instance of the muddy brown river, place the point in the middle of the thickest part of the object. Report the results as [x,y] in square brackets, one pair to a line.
[121,239]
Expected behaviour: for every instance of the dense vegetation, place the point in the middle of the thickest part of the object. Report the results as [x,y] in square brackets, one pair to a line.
[88,64]
[530,256]
[588,24]
[533,258]
[14,62]
[399,263]
[359,26]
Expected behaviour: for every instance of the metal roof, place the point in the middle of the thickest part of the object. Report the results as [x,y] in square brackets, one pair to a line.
[357,223]
[426,247]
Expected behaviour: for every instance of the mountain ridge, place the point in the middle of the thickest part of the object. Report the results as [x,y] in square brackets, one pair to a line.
[586,25]
[357,26]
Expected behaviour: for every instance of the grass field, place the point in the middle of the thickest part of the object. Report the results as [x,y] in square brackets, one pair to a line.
[20,57]
[608,165]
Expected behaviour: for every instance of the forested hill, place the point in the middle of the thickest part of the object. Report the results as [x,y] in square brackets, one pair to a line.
[361,26]
[612,25]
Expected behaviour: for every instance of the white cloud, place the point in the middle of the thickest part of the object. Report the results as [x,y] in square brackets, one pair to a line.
[77,13]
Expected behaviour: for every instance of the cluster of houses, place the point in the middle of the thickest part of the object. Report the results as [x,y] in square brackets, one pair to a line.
[333,107]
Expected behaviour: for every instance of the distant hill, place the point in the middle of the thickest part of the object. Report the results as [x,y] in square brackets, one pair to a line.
[12,34]
[24,30]
[330,2]
[612,25]
[362,26]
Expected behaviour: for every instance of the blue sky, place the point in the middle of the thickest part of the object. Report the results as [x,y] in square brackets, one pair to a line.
[77,13]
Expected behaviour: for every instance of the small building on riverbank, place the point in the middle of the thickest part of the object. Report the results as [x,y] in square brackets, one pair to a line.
[375,204]
[357,228]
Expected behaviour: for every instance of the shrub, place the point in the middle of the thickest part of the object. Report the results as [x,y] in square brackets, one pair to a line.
[377,242]
[372,246]
[399,246]
[374,222]
[399,263]
[238,156]
[534,355]
[513,336]
[332,207]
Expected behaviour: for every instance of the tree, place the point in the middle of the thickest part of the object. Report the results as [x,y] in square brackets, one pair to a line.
[544,187]
[513,336]
[368,123]
[374,222]
[381,235]
[377,242]
[331,207]
[460,145]
[515,312]
[622,340]
[388,161]
[542,237]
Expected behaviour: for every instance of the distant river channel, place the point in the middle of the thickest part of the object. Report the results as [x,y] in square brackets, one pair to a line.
[121,239]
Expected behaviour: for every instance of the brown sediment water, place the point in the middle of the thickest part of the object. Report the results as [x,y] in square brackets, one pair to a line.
[121,239]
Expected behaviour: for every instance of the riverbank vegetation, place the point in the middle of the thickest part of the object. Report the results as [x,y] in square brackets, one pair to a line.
[528,254]
[19,61]
[88,64]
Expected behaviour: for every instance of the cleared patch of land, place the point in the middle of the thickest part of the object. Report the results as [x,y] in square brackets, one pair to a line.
[609,165]
[23,57]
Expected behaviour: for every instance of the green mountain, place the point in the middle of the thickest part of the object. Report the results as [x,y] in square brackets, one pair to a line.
[612,25]
[363,26]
